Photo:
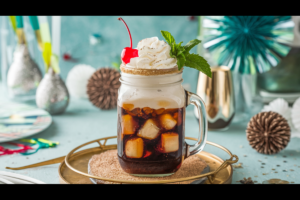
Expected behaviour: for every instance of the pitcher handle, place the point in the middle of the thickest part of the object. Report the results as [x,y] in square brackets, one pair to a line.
[195,100]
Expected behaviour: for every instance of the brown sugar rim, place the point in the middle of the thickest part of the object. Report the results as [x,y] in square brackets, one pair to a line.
[149,72]
[107,165]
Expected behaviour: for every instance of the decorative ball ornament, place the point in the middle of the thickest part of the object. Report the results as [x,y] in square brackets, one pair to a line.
[268,132]
[248,44]
[280,106]
[77,80]
[24,75]
[52,94]
[102,88]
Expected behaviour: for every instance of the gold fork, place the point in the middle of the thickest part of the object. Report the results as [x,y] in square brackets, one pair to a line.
[48,162]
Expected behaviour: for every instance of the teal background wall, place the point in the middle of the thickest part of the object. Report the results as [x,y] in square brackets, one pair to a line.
[75,31]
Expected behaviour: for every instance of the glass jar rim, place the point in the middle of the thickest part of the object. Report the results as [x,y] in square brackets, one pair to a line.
[151,80]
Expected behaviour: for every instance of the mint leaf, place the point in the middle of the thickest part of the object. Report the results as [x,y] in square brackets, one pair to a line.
[184,58]
[179,49]
[173,49]
[191,44]
[168,37]
[197,62]
[180,61]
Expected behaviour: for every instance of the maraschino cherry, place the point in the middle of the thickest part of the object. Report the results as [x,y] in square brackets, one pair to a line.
[128,52]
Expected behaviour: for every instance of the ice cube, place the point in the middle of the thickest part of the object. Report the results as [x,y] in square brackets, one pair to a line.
[134,112]
[128,106]
[128,125]
[159,111]
[169,142]
[134,148]
[153,114]
[171,110]
[147,110]
[167,121]
[149,130]
[178,117]
[144,112]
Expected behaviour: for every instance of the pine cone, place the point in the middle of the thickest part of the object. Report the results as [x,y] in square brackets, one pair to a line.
[102,88]
[268,132]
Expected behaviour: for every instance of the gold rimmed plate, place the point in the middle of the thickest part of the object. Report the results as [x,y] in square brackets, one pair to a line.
[74,169]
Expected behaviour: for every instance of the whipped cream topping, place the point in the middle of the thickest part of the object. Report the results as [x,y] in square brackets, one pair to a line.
[153,54]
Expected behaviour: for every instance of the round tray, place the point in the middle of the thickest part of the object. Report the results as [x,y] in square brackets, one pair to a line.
[74,169]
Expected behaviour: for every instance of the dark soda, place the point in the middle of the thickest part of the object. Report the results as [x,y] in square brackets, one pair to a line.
[150,141]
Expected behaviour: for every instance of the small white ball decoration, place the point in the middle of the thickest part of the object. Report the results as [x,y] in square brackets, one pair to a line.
[280,106]
[296,114]
[77,80]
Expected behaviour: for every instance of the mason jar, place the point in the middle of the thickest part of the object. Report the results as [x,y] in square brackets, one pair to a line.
[151,122]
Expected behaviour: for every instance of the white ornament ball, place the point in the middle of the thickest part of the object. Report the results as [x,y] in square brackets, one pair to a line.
[296,114]
[280,106]
[77,80]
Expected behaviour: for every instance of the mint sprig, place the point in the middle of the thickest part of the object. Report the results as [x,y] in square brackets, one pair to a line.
[183,56]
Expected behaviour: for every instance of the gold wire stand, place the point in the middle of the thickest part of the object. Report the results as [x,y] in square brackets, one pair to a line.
[210,175]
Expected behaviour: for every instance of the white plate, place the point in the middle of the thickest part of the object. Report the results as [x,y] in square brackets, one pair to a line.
[18,179]
[20,120]
[4,181]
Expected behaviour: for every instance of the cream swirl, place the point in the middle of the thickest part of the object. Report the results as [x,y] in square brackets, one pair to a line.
[153,54]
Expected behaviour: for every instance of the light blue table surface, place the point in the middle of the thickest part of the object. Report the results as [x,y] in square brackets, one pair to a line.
[82,122]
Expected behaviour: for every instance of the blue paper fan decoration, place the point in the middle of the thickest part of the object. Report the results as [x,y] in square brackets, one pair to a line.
[248,44]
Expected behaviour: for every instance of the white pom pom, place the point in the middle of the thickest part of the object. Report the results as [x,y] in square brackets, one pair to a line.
[280,106]
[296,114]
[77,80]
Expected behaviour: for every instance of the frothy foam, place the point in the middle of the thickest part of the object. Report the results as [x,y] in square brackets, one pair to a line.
[155,103]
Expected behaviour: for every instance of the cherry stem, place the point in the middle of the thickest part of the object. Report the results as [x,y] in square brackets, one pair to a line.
[127,30]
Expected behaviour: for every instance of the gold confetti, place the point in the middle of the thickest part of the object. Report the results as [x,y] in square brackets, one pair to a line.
[255,176]
[264,173]
[239,165]
[273,169]
[276,172]
[291,170]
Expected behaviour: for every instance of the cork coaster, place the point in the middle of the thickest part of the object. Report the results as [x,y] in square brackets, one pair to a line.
[106,165]
[149,72]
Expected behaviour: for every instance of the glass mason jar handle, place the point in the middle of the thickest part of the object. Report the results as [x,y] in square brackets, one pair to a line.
[194,99]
